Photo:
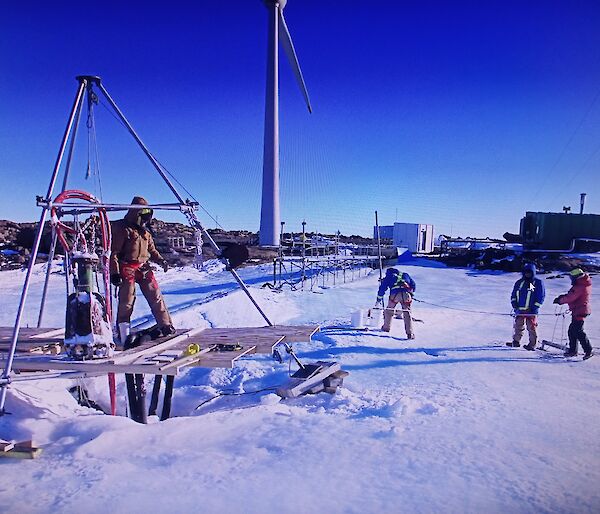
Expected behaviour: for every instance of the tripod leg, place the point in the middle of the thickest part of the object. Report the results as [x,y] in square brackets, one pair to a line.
[166,411]
[155,393]
[131,396]
[141,399]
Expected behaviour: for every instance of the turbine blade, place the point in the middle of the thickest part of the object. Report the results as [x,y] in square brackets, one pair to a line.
[288,47]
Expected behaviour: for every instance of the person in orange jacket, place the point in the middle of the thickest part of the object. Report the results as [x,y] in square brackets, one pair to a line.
[132,250]
[579,300]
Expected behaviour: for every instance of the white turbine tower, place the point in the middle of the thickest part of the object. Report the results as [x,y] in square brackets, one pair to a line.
[278,32]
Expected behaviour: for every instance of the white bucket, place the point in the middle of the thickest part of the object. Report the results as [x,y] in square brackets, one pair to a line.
[357,318]
[375,319]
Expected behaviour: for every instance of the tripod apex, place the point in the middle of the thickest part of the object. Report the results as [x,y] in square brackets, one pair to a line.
[88,78]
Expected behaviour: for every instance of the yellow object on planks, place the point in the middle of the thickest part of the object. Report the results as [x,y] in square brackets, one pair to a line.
[192,349]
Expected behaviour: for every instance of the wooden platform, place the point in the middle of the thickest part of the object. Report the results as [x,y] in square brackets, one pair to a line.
[33,340]
[19,450]
[163,357]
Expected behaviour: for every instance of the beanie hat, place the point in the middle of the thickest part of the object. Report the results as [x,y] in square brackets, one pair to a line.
[576,273]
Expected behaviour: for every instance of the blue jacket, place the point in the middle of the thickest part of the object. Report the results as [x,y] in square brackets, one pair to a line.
[396,282]
[528,293]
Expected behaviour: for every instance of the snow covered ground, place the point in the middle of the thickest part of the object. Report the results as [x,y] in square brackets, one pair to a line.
[452,421]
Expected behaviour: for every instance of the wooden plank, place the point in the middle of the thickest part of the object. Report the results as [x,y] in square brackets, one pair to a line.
[7,332]
[253,340]
[224,359]
[6,445]
[32,339]
[298,386]
[26,376]
[186,360]
[263,343]
[264,338]
[94,366]
[134,353]
[30,346]
[25,333]
[22,450]
[50,333]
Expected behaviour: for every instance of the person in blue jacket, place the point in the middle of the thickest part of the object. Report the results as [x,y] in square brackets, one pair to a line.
[402,288]
[526,299]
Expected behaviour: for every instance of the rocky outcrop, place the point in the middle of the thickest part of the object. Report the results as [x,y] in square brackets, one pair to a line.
[176,241]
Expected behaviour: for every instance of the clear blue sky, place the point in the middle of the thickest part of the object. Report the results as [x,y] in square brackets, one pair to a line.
[460,114]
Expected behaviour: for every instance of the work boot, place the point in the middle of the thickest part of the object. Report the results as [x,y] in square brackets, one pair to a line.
[167,330]
[530,346]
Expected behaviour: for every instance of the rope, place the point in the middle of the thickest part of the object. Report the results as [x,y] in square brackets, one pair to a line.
[512,314]
[166,170]
[188,193]
[96,170]
[549,173]
[228,392]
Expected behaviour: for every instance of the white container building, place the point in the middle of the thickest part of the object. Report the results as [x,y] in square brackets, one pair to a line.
[417,237]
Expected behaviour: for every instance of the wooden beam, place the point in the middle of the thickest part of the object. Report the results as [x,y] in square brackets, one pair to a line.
[313,382]
[50,333]
[97,366]
[185,360]
[224,359]
[147,359]
[132,354]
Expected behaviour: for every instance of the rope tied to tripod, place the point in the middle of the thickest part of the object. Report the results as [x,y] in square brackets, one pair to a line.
[511,314]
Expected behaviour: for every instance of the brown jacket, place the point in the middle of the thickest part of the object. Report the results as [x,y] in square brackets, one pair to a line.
[131,243]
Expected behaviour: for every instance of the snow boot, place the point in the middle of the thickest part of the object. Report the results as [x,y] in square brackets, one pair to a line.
[167,330]
[410,336]
[530,347]
[587,355]
[570,353]
[514,344]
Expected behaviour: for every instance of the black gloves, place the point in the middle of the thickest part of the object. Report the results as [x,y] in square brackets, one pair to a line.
[115,279]
[556,300]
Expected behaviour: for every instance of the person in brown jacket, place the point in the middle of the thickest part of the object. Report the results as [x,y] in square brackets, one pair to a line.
[579,300]
[132,250]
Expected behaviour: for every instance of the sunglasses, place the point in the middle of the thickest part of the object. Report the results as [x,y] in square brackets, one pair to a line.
[145,211]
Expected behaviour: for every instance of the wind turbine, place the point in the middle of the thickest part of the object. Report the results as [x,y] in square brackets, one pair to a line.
[278,33]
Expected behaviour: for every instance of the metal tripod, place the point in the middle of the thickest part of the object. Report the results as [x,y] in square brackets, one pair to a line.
[88,83]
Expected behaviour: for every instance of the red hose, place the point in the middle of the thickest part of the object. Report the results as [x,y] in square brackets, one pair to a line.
[62,229]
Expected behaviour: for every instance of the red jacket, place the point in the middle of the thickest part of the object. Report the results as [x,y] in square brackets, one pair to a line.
[579,297]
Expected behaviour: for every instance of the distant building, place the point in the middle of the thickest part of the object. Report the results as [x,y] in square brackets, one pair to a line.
[558,231]
[418,238]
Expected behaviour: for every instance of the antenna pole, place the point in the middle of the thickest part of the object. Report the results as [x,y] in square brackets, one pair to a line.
[379,247]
